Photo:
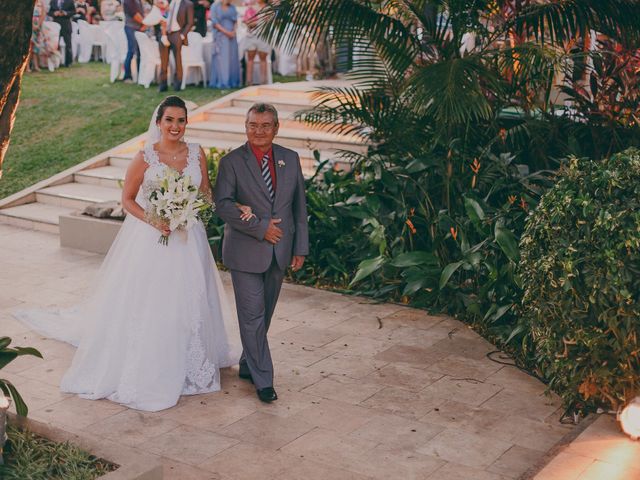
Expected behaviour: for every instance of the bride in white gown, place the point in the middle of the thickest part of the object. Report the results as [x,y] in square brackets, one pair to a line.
[155,325]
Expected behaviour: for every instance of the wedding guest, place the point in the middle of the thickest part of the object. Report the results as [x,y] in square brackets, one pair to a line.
[109,10]
[133,14]
[254,44]
[178,24]
[81,11]
[62,11]
[200,8]
[93,12]
[225,64]
[160,29]
[38,36]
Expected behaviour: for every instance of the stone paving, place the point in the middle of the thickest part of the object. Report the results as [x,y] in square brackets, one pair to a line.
[600,452]
[367,391]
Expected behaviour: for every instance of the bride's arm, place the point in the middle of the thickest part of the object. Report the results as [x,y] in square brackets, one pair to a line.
[205,184]
[132,181]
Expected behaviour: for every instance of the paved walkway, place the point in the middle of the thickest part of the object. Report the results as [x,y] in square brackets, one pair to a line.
[366,391]
[600,452]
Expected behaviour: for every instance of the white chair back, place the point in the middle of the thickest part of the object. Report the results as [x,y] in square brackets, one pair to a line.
[105,24]
[193,52]
[113,52]
[149,59]
[97,34]
[75,39]
[116,40]
[148,48]
[86,42]
[193,58]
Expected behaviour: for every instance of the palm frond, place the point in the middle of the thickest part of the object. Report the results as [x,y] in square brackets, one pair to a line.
[452,92]
[562,20]
[302,24]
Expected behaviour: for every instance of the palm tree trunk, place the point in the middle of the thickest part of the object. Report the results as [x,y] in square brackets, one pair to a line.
[15,35]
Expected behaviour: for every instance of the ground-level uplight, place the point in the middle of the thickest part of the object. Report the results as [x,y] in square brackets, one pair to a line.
[629,418]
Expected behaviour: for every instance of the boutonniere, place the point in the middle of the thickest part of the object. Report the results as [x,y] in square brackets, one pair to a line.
[281,163]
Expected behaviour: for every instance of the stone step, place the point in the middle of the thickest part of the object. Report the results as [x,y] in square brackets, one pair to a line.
[289,137]
[35,216]
[77,196]
[304,94]
[238,115]
[282,103]
[299,90]
[109,176]
[121,160]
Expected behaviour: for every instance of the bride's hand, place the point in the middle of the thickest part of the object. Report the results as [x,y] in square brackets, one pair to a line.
[246,213]
[162,227]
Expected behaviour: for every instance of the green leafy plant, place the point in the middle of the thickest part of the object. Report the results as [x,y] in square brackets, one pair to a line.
[215,226]
[7,355]
[580,271]
[462,141]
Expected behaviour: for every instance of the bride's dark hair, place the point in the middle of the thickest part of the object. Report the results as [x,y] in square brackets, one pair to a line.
[170,101]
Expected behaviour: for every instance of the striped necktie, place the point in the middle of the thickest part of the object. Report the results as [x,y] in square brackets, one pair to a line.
[266,174]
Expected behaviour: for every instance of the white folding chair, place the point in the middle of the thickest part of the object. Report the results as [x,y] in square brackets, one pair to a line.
[52,31]
[90,36]
[192,58]
[85,44]
[149,59]
[99,39]
[75,40]
[287,55]
[116,47]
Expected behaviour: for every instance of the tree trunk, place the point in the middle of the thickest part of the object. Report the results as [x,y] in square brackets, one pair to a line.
[15,36]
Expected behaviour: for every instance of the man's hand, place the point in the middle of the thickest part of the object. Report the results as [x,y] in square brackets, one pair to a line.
[273,233]
[296,262]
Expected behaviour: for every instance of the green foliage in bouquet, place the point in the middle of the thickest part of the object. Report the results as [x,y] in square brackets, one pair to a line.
[8,355]
[580,271]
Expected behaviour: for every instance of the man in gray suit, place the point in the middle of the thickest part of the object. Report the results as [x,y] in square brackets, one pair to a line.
[258,248]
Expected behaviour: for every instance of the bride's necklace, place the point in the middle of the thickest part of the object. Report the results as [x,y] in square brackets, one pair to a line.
[174,156]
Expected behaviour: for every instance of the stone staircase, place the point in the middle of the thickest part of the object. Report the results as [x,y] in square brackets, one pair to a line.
[218,124]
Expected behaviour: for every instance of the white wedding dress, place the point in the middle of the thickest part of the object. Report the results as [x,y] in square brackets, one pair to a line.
[156,323]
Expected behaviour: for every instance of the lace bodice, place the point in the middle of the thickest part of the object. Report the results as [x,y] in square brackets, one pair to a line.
[156,169]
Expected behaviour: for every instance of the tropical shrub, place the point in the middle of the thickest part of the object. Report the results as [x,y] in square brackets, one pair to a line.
[8,355]
[580,270]
[464,137]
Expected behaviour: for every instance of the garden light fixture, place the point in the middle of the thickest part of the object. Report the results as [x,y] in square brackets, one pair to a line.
[629,418]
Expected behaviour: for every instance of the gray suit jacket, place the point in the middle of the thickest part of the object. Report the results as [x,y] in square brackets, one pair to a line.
[240,180]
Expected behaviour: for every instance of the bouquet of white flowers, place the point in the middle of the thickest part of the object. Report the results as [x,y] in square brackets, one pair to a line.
[178,202]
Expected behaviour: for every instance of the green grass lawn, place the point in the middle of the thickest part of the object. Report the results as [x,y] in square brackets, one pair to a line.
[70,115]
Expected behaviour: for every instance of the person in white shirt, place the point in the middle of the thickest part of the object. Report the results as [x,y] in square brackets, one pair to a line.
[179,24]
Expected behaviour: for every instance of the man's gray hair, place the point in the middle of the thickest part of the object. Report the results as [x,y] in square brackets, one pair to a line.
[264,108]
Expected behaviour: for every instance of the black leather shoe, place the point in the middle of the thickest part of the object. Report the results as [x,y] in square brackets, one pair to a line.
[267,394]
[163,87]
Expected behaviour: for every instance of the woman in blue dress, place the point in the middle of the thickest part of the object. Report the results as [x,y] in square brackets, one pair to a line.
[225,63]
